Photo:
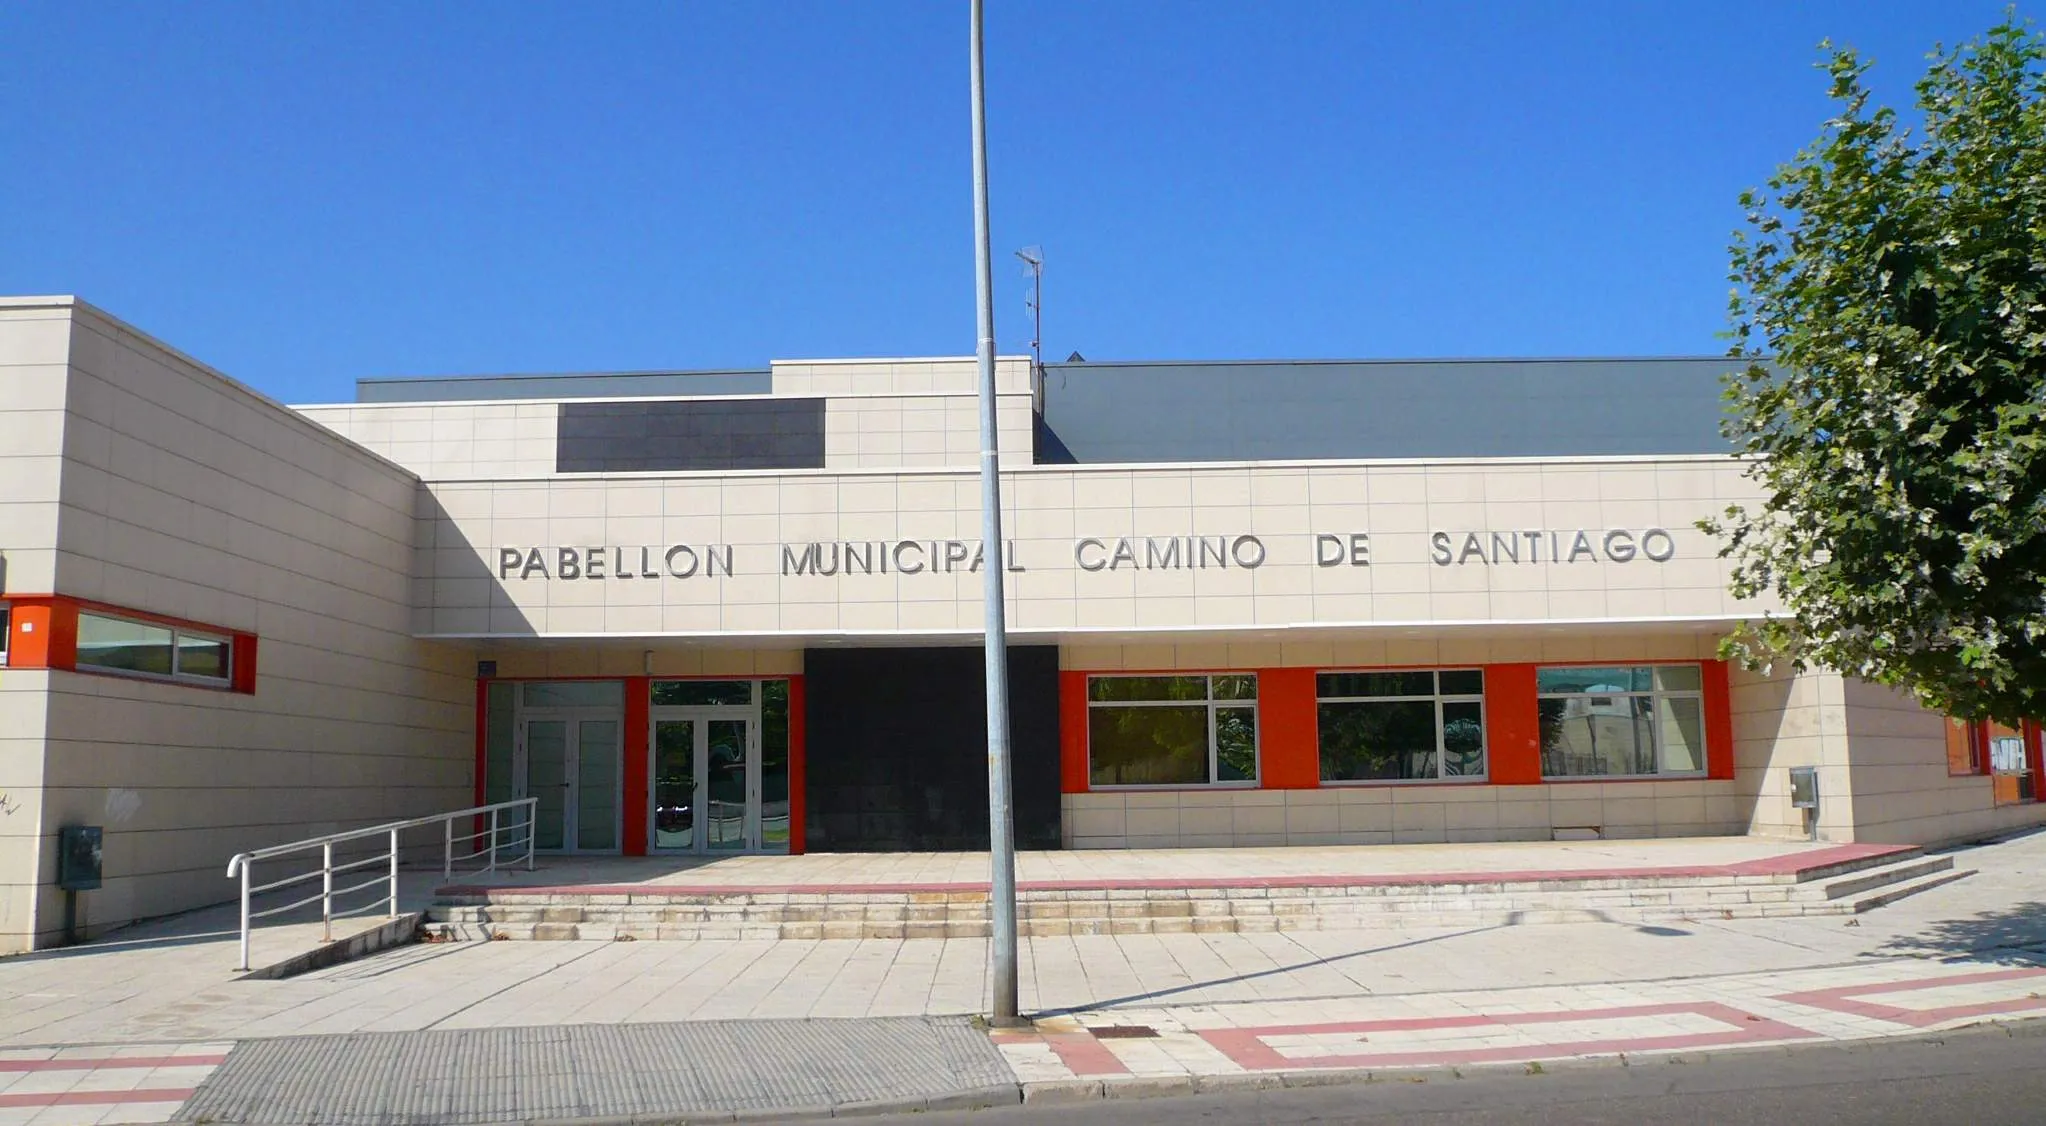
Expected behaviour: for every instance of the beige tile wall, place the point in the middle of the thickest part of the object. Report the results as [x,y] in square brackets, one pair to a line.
[1049,508]
[1783,719]
[1902,793]
[1460,648]
[1881,759]
[914,431]
[924,375]
[482,440]
[35,342]
[656,659]
[25,862]
[1427,814]
[451,440]
[185,494]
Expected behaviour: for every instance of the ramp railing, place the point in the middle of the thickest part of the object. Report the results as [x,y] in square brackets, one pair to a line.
[503,835]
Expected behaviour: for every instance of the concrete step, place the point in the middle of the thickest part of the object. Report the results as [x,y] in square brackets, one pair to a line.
[1443,901]
[1866,879]
[1824,872]
[1159,910]
[1030,899]
[601,929]
[1895,892]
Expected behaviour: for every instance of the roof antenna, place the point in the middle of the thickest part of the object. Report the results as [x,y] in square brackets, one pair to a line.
[1033,268]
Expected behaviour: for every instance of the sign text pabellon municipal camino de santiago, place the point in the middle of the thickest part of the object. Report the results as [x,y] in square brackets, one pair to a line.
[1132,553]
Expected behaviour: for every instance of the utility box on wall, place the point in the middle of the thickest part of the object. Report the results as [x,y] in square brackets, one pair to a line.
[79,850]
[1804,795]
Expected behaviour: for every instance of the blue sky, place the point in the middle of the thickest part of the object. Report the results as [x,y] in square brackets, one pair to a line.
[301,194]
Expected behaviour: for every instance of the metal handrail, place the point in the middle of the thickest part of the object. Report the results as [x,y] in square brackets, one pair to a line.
[243,862]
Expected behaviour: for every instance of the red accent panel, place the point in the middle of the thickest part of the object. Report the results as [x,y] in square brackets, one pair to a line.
[2036,748]
[1513,730]
[29,646]
[638,771]
[482,736]
[798,762]
[1718,721]
[1073,732]
[1289,746]
[63,637]
[1961,757]
[243,662]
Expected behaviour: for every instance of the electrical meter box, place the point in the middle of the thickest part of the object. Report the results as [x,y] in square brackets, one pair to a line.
[78,857]
[1804,787]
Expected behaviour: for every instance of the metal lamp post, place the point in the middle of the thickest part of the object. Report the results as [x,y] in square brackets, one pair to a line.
[1001,828]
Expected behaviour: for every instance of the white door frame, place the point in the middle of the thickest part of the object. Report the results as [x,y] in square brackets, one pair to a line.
[702,715]
[571,768]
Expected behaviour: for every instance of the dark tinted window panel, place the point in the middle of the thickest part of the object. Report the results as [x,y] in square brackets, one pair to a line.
[1196,412]
[713,434]
[897,749]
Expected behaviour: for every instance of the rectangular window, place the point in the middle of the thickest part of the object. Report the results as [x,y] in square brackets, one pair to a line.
[2010,766]
[774,765]
[1172,730]
[1420,726]
[1962,758]
[572,694]
[1634,721]
[6,631]
[702,692]
[124,645]
[2006,750]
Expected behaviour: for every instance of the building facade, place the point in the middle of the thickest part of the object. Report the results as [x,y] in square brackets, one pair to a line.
[711,612]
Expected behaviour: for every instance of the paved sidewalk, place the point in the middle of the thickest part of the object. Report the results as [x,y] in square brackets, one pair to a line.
[135,1083]
[1159,1012]
[710,1068]
[1187,1048]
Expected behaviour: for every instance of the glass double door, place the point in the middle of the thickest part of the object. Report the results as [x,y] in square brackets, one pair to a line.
[571,763]
[705,772]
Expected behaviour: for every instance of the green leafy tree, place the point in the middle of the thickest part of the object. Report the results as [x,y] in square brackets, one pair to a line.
[1890,302]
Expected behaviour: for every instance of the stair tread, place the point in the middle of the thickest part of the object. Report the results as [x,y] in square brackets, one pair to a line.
[1906,889]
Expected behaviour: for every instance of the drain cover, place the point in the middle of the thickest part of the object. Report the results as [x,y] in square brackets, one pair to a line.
[1123,1032]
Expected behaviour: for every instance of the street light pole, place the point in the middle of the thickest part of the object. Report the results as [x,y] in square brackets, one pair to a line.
[1001,827]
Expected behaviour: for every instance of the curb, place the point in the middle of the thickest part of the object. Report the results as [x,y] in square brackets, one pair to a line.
[397,932]
[1063,1092]
[979,1098]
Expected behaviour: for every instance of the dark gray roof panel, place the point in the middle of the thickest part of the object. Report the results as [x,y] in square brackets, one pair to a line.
[602,385]
[1281,411]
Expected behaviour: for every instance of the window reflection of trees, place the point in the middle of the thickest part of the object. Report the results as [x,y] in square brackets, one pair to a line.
[1172,730]
[1401,726]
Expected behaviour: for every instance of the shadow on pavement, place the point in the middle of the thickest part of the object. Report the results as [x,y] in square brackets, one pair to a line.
[1279,971]
[2013,935]
[121,941]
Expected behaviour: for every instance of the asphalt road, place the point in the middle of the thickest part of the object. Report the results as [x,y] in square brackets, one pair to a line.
[1992,1076]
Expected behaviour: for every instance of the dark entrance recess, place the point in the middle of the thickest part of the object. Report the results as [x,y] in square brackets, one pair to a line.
[897,749]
